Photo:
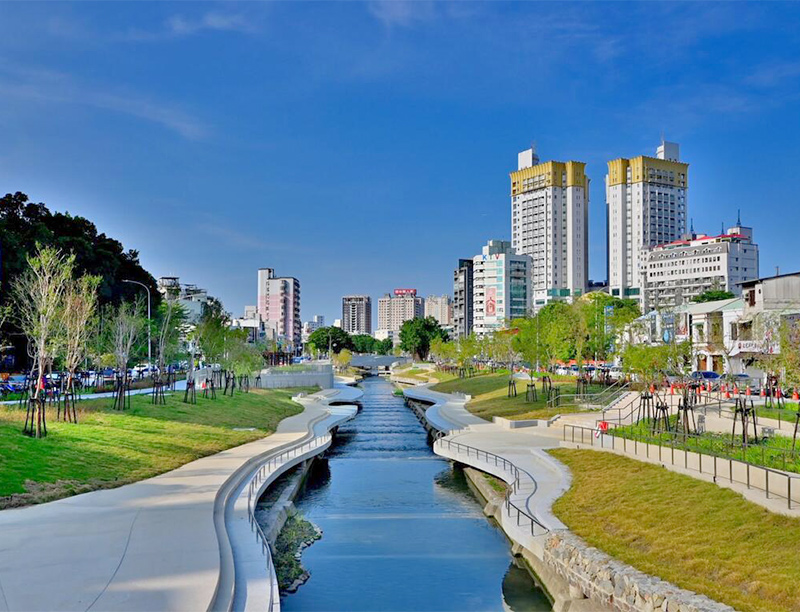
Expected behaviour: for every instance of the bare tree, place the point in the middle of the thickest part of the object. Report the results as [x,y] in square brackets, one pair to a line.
[80,305]
[125,328]
[38,299]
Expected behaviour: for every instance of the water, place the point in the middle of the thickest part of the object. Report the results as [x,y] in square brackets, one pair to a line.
[401,530]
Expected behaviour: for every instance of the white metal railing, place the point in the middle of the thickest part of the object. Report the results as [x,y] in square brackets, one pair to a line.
[508,466]
[262,474]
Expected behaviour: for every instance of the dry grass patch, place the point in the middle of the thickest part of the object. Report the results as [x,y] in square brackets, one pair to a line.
[692,533]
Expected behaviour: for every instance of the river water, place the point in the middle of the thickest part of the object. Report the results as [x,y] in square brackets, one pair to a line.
[401,529]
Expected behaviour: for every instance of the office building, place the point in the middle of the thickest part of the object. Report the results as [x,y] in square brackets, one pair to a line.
[550,223]
[676,272]
[646,207]
[279,307]
[462,298]
[500,286]
[394,310]
[357,314]
[440,307]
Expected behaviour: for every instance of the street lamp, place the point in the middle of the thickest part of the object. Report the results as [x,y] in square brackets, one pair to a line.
[149,356]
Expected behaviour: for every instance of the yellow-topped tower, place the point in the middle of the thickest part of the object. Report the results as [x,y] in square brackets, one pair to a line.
[549,222]
[646,199]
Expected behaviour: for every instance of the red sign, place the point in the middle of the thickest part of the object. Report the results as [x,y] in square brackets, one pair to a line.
[405,292]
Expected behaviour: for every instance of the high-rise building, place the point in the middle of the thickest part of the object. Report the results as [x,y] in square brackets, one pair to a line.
[440,307]
[357,314]
[279,306]
[550,222]
[500,286]
[676,272]
[394,310]
[462,298]
[646,199]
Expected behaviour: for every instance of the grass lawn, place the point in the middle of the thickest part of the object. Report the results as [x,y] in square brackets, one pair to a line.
[490,397]
[692,533]
[783,414]
[109,448]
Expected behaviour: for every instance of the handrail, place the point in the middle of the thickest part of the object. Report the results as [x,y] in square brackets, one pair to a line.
[263,472]
[612,391]
[507,466]
[596,433]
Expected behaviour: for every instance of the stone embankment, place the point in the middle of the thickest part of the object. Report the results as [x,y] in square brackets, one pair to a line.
[611,583]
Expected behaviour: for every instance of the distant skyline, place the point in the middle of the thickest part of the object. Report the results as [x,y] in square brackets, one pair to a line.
[366,146]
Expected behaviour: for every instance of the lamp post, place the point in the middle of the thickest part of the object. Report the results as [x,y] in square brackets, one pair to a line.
[149,355]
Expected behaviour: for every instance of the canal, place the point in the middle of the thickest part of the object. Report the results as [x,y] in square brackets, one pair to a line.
[401,529]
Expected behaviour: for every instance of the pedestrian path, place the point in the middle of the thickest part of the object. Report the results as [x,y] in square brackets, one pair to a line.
[151,545]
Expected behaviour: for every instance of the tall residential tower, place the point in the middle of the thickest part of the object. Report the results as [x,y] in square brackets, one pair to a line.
[462,298]
[357,314]
[646,198]
[279,306]
[550,223]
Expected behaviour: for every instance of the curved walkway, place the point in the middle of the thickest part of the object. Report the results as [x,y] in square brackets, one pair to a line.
[151,545]
[541,479]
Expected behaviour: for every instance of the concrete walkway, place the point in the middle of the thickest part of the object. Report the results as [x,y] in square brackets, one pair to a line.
[151,545]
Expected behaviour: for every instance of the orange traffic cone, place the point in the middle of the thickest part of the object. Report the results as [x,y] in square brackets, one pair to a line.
[763,392]
[747,392]
[735,390]
[795,395]
[672,389]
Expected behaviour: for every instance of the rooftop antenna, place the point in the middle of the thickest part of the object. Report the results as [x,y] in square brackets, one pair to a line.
[738,217]
[722,231]
[691,225]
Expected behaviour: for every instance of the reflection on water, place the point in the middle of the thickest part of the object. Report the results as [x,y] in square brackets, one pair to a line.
[401,529]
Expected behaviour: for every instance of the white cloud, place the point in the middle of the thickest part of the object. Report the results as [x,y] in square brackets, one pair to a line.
[179,25]
[54,87]
[774,74]
[403,13]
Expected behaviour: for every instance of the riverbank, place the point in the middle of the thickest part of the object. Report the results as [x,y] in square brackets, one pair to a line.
[489,396]
[692,533]
[108,448]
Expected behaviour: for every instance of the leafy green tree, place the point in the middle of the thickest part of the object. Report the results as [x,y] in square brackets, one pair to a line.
[333,338]
[384,347]
[170,327]
[417,334]
[363,343]
[342,359]
[604,318]
[712,295]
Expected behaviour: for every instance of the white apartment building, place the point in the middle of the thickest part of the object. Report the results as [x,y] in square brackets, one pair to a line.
[191,297]
[500,286]
[550,223]
[676,272]
[394,310]
[646,200]
[357,314]
[279,306]
[440,307]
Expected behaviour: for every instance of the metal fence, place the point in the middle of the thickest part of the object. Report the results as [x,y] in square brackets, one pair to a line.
[264,472]
[599,399]
[520,515]
[774,483]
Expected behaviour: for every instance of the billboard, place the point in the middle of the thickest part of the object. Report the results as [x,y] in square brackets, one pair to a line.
[401,292]
[491,301]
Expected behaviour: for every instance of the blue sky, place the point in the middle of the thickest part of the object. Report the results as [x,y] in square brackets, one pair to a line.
[366,146]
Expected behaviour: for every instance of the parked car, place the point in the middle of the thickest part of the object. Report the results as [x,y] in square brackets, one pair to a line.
[706,376]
